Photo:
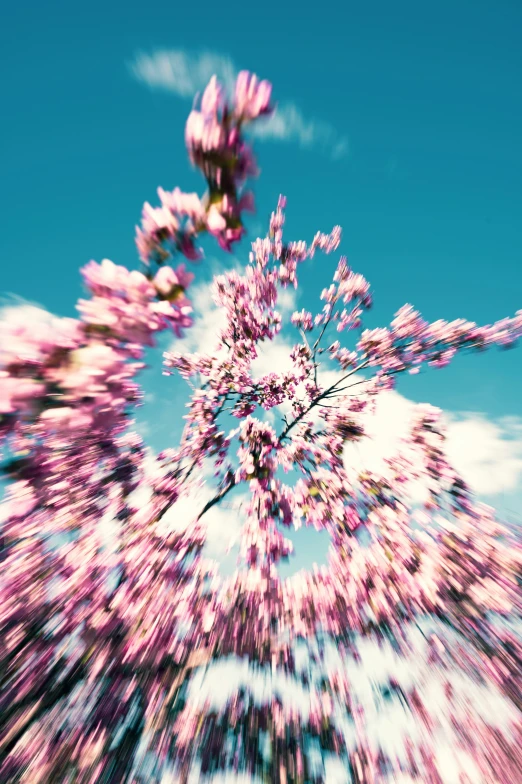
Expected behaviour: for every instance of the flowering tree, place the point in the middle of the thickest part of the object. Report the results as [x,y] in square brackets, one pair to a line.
[101,634]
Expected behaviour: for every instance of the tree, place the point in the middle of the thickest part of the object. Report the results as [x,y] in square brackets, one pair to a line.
[100,637]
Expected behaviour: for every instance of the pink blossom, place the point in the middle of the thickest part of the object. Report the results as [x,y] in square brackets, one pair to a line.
[252,97]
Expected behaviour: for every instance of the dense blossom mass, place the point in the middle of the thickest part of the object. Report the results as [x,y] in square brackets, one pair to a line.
[109,608]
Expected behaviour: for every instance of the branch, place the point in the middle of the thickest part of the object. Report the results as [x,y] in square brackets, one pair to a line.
[318,399]
[217,498]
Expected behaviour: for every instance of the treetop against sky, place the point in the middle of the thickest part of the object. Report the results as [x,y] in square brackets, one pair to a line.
[107,582]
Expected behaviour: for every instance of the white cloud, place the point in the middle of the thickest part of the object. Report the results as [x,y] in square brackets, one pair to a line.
[184,74]
[223,523]
[209,320]
[286,301]
[23,313]
[272,357]
[12,305]
[487,454]
[384,430]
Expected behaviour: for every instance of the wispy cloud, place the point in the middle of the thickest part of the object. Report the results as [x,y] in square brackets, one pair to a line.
[184,74]
[289,124]
[180,72]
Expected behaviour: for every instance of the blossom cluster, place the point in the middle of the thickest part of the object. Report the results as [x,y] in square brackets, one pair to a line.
[216,145]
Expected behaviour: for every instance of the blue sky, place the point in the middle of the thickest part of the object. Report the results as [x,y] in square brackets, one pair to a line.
[401,122]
